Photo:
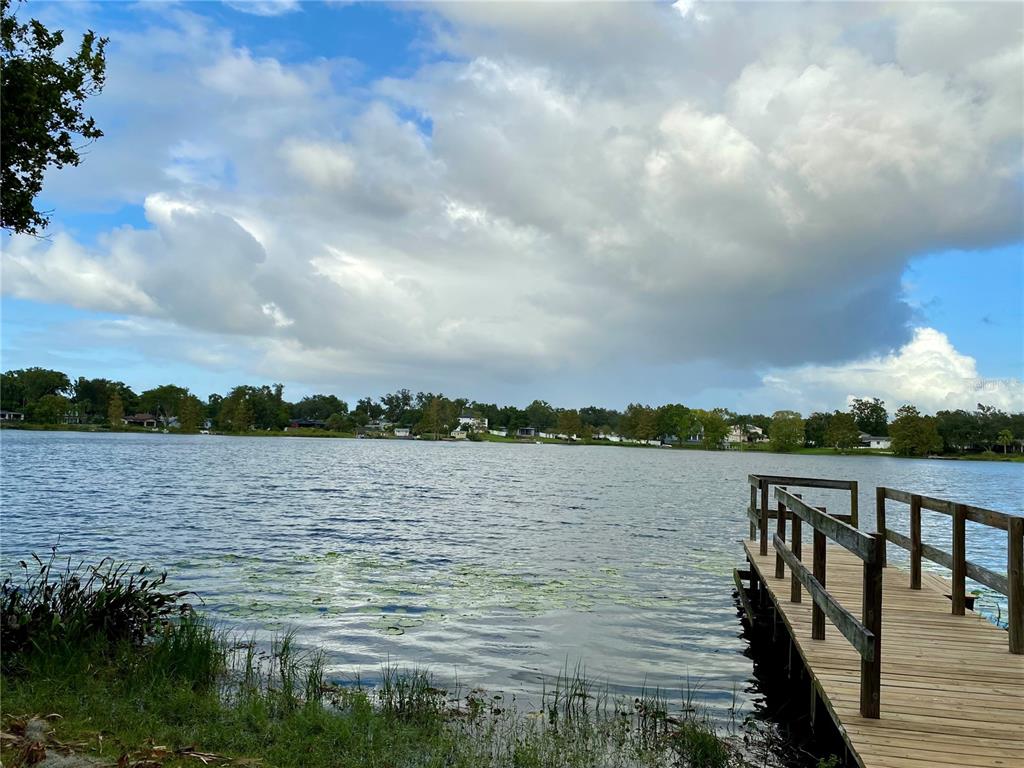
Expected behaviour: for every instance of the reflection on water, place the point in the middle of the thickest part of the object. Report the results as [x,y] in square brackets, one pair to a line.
[493,563]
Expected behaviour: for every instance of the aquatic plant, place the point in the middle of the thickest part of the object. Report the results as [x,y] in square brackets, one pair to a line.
[66,605]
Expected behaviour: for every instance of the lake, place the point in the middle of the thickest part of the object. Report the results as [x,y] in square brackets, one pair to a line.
[495,564]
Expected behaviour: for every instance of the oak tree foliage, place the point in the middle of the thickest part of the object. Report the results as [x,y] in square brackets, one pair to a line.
[42,100]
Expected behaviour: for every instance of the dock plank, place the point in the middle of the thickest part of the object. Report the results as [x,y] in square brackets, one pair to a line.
[951,693]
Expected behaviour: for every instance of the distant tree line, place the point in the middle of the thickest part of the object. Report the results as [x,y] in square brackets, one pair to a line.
[50,397]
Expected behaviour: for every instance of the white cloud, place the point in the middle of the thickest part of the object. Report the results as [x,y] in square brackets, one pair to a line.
[70,274]
[927,372]
[265,7]
[569,185]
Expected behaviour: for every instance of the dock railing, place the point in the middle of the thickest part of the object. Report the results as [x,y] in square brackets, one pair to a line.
[1011,585]
[864,634]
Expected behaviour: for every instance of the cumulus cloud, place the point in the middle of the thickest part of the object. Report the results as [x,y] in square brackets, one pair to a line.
[563,186]
[928,372]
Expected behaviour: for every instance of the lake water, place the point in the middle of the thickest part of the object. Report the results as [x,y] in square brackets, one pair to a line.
[497,564]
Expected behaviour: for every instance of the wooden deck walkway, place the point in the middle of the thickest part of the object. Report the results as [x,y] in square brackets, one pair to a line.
[951,692]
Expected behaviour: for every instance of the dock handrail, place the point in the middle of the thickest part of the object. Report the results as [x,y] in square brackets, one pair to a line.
[865,635]
[760,484]
[1011,585]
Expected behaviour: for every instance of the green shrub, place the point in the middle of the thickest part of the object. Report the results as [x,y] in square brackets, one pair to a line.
[50,608]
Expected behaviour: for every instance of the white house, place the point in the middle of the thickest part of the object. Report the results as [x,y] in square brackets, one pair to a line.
[746,433]
[875,441]
[468,422]
[402,432]
[11,416]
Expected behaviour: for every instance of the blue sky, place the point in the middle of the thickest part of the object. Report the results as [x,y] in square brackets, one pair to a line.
[746,206]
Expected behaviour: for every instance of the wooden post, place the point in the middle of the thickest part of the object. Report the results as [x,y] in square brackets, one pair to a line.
[764,517]
[854,504]
[753,508]
[1015,576]
[817,614]
[871,671]
[797,547]
[915,541]
[959,559]
[780,529]
[880,515]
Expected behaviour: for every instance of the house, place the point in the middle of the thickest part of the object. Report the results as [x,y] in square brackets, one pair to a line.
[72,416]
[469,422]
[403,432]
[879,443]
[526,432]
[140,420]
[746,433]
[377,425]
[11,416]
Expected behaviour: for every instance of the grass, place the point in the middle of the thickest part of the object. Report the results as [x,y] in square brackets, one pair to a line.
[190,690]
[116,669]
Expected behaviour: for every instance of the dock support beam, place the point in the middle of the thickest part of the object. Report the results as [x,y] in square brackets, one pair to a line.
[764,517]
[871,670]
[817,614]
[880,516]
[915,541]
[959,559]
[1015,575]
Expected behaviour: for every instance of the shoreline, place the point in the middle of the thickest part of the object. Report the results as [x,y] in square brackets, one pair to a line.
[120,676]
[488,438]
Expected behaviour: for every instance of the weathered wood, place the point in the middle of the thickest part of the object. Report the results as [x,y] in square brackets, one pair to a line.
[978,573]
[848,624]
[936,555]
[1015,577]
[818,564]
[915,542]
[871,668]
[841,533]
[880,515]
[804,482]
[990,517]
[854,504]
[797,547]
[990,579]
[898,539]
[780,532]
[748,614]
[959,559]
[751,511]
[764,517]
[950,693]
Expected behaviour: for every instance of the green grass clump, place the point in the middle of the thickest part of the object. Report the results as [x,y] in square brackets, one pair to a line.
[49,609]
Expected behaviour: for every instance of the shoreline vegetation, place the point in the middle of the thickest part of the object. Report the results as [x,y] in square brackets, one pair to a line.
[46,397]
[101,666]
[489,438]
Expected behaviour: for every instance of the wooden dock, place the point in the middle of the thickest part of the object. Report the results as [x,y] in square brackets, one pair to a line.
[920,680]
